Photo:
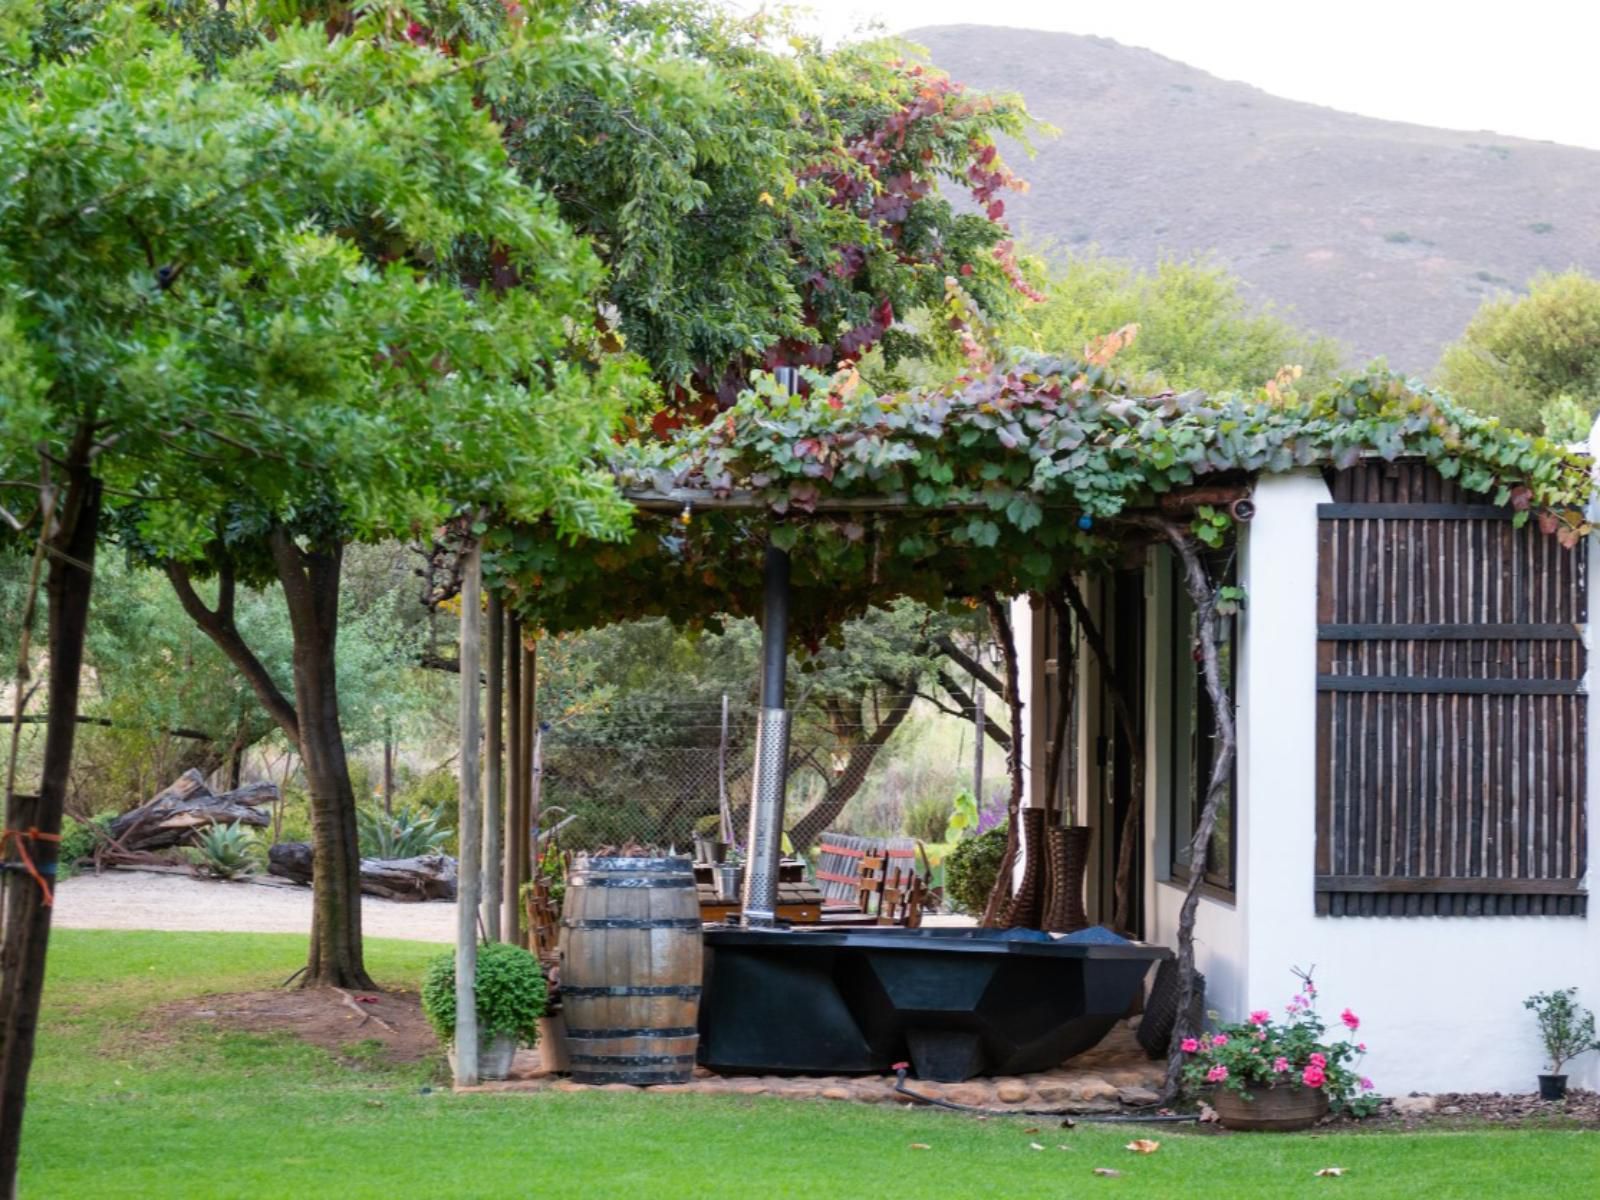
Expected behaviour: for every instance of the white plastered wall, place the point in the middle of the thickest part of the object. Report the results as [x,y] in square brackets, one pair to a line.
[1440,998]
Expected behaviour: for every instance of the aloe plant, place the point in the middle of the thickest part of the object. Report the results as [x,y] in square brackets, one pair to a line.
[225,851]
[404,833]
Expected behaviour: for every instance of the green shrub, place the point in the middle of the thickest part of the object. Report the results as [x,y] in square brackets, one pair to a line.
[225,851]
[971,868]
[509,988]
[78,842]
[405,833]
[709,826]
[928,819]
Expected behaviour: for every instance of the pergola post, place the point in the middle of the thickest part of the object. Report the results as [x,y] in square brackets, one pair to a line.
[467,885]
[764,845]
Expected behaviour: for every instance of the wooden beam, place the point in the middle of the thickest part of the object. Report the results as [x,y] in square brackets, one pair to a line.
[1390,884]
[469,827]
[1427,685]
[1451,633]
[1415,512]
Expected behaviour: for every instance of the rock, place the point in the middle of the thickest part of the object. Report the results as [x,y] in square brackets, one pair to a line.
[749,1089]
[1094,1090]
[1208,1115]
[1057,1093]
[1011,1091]
[974,1095]
[619,1087]
[1451,1110]
[836,1093]
[1413,1106]
[1138,1097]
[566,1085]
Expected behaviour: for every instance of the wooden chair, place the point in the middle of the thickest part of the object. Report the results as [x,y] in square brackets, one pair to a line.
[903,902]
[870,879]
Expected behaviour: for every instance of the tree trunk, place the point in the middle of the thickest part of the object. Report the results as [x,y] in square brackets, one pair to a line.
[1204,595]
[843,789]
[1000,895]
[310,580]
[33,823]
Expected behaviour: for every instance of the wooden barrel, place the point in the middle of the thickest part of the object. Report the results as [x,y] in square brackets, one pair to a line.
[630,970]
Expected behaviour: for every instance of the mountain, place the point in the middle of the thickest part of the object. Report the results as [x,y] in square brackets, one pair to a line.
[1383,235]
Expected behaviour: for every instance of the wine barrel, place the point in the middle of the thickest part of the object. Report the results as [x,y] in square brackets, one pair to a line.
[630,970]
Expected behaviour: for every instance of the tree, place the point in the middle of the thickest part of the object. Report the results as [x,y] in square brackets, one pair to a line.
[1197,328]
[246,317]
[1522,356]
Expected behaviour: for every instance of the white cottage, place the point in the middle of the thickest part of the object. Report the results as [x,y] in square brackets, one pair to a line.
[1411,676]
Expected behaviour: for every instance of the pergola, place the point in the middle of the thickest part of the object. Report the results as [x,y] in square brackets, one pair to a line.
[804,506]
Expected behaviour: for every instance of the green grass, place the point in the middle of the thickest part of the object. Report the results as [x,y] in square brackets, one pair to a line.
[124,1104]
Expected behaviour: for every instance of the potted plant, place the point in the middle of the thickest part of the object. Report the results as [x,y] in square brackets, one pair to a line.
[510,992]
[729,875]
[1567,1030]
[708,844]
[1267,1074]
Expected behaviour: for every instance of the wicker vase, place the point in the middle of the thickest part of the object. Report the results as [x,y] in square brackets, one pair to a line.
[1067,863]
[1282,1108]
[1026,908]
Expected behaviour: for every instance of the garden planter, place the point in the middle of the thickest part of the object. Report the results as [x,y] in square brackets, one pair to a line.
[495,1055]
[730,879]
[1271,1109]
[1068,862]
[709,850]
[1552,1087]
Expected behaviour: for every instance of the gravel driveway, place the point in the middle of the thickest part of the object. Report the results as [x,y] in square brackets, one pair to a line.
[151,900]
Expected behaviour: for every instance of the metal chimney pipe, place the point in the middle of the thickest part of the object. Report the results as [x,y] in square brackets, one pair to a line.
[764,842]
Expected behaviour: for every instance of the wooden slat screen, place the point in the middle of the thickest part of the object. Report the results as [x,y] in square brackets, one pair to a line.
[1450,711]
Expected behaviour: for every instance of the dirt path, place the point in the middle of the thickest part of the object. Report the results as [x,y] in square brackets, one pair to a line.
[147,900]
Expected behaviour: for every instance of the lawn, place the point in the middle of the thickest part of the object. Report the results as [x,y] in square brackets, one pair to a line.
[127,1104]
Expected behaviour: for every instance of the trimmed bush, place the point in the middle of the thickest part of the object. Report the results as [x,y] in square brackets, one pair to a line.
[971,869]
[509,987]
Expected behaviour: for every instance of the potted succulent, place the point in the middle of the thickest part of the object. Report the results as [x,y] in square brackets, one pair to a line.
[1567,1030]
[510,991]
[1269,1074]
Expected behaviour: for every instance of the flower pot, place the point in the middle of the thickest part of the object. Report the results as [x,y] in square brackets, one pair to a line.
[1552,1087]
[709,850]
[1280,1108]
[494,1056]
[730,878]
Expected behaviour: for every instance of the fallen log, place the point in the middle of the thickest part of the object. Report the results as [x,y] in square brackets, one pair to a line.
[173,815]
[427,877]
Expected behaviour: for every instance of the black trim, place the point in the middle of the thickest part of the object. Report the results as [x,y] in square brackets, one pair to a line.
[633,923]
[1416,512]
[668,1031]
[632,881]
[632,1060]
[688,991]
[1447,633]
[1427,685]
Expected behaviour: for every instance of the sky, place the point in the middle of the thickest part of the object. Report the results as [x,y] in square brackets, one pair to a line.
[1525,69]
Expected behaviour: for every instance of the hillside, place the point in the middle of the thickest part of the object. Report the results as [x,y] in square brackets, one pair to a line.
[1383,235]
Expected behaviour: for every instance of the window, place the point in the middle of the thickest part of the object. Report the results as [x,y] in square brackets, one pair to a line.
[1192,746]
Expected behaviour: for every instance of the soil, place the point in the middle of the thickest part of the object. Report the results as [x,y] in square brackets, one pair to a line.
[183,902]
[1581,1109]
[353,1026]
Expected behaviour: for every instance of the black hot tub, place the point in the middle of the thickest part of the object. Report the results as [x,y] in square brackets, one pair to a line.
[955,1002]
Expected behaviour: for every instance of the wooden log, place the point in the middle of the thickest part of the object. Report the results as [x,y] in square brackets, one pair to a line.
[173,815]
[427,877]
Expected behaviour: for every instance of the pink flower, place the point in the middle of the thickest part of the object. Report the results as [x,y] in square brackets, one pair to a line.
[1216,1074]
[1350,1020]
[1190,1045]
[1313,1076]
[1220,1040]
[1366,1084]
[1319,1061]
[1260,1017]
[1361,1046]
[1280,1065]
[1262,1036]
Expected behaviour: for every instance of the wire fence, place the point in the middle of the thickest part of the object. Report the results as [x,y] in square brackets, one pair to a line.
[652,796]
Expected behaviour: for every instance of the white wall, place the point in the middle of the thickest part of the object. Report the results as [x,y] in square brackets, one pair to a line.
[1440,998]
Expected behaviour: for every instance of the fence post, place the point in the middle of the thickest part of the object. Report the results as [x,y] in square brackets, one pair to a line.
[470,832]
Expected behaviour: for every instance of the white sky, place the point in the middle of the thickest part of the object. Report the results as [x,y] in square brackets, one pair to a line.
[1525,69]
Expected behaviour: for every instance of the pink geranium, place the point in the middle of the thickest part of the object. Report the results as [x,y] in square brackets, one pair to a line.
[1220,1040]
[1190,1045]
[1366,1084]
[1313,1076]
[1319,1061]
[1260,1017]
[1280,1065]
[1216,1074]
[1352,1022]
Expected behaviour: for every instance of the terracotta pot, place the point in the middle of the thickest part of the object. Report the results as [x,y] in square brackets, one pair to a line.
[1277,1109]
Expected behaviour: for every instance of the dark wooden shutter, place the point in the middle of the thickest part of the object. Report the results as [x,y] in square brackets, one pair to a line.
[1450,712]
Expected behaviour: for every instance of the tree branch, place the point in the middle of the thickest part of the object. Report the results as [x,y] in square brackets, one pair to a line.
[220,628]
[969,664]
